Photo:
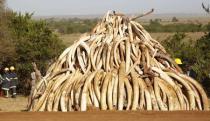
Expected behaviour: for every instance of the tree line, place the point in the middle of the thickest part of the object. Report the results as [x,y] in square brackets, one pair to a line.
[76,25]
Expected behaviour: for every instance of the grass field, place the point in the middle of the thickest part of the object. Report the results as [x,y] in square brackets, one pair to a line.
[70,38]
[167,19]
[190,35]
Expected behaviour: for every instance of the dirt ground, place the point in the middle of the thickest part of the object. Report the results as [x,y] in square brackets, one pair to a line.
[13,110]
[107,116]
[17,104]
[13,104]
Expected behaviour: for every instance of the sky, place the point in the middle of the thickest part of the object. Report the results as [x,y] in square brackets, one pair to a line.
[87,7]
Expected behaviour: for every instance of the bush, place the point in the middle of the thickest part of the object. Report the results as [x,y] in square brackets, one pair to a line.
[34,42]
[202,66]
[179,46]
[193,54]
[7,50]
[24,40]
[174,19]
[156,26]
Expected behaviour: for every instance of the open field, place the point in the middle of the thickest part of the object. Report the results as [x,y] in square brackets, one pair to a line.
[181,20]
[70,38]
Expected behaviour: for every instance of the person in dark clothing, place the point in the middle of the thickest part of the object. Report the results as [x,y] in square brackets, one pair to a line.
[1,77]
[186,68]
[6,82]
[1,80]
[191,73]
[13,82]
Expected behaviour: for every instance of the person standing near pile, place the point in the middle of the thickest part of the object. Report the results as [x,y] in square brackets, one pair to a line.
[1,80]
[13,82]
[35,78]
[6,82]
[186,68]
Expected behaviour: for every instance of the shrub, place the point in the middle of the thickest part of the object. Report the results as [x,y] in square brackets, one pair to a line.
[34,42]
[7,51]
[193,54]
[174,19]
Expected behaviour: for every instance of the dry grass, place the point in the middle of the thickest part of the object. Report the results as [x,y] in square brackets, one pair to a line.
[13,104]
[182,20]
[70,38]
[190,35]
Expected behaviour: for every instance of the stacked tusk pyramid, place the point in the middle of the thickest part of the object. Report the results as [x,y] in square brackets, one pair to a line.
[118,66]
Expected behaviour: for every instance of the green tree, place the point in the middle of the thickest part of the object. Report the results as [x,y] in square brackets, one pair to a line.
[180,46]
[34,42]
[202,66]
[194,54]
[7,51]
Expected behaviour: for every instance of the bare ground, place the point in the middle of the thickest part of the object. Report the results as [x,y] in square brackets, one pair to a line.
[13,104]
[108,116]
[18,104]
[11,110]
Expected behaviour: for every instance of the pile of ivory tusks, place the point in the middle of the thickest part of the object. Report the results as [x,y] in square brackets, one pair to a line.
[118,66]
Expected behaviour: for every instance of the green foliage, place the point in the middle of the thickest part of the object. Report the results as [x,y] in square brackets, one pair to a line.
[7,51]
[23,41]
[203,47]
[68,26]
[156,26]
[175,44]
[195,55]
[34,42]
[180,47]
[75,25]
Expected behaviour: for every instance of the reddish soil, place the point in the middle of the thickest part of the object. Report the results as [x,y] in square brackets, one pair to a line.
[11,111]
[106,116]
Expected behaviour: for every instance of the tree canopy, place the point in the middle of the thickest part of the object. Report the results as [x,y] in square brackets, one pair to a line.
[25,40]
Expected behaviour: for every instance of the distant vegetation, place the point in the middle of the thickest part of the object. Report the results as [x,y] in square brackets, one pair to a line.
[156,26]
[70,26]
